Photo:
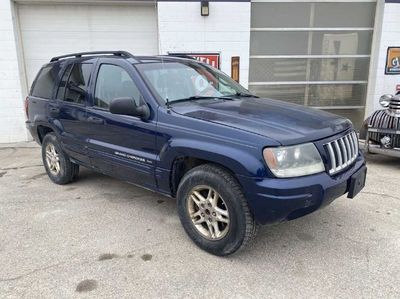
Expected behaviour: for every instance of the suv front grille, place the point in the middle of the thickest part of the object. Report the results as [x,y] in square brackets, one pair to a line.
[342,152]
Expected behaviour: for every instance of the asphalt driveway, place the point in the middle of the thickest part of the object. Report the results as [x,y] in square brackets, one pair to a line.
[100,237]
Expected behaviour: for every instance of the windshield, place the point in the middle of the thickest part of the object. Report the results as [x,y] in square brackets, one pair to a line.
[175,81]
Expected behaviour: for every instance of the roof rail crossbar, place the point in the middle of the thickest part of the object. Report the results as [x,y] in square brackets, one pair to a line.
[116,53]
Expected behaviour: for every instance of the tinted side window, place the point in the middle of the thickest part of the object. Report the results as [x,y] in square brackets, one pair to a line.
[63,83]
[114,82]
[44,83]
[77,84]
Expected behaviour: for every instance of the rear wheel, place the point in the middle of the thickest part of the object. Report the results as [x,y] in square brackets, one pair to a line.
[214,211]
[58,166]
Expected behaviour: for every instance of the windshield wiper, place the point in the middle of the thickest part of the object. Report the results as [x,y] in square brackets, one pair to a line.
[193,98]
[241,94]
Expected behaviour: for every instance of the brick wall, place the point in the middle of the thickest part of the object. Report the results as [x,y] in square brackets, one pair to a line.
[225,30]
[12,115]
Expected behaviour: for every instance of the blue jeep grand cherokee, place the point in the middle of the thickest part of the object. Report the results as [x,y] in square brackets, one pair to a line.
[184,129]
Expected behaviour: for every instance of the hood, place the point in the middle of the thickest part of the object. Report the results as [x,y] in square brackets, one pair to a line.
[284,122]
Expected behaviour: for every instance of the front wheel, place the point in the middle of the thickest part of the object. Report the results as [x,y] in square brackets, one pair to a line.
[214,211]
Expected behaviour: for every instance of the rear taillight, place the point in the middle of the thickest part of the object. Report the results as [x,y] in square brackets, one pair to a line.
[26,107]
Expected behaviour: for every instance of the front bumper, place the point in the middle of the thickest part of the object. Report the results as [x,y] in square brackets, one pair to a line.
[274,200]
[375,135]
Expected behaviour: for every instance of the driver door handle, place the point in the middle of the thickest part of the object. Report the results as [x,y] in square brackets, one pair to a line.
[95,120]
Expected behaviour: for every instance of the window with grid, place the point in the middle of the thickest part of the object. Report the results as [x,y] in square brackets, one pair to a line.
[312,53]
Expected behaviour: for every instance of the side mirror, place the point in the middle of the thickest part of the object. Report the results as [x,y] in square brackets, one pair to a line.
[385,100]
[127,106]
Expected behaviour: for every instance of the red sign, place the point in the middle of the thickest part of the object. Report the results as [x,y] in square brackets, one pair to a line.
[209,58]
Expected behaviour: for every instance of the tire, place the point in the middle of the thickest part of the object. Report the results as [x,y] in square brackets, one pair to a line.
[232,237]
[66,171]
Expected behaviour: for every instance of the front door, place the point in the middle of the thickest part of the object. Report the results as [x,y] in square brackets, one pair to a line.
[120,145]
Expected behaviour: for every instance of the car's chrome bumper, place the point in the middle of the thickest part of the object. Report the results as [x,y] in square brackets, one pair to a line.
[380,148]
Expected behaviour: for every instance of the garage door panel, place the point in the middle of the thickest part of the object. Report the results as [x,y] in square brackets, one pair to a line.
[51,30]
[312,53]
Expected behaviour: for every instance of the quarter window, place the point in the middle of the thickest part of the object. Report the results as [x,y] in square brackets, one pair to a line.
[44,83]
[114,82]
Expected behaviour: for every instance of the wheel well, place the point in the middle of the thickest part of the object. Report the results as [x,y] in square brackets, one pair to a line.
[182,165]
[43,131]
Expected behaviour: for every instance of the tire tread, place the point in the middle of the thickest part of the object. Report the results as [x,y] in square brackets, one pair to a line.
[251,224]
[71,169]
[230,182]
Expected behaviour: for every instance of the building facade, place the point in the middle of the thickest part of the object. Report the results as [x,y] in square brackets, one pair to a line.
[331,55]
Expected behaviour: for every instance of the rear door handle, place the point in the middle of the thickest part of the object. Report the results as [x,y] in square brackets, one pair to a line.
[95,120]
[54,109]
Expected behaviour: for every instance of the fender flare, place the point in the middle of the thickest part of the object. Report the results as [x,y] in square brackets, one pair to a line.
[238,160]
[52,124]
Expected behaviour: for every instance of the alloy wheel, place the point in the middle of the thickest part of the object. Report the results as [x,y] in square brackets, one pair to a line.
[208,212]
[52,159]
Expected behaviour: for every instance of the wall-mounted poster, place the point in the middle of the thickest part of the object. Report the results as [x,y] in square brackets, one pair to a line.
[393,61]
[235,67]
[209,58]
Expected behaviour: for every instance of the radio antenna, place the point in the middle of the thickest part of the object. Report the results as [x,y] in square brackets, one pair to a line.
[162,61]
[166,88]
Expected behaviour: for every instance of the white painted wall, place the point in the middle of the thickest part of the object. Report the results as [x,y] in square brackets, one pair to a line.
[225,30]
[12,115]
[389,37]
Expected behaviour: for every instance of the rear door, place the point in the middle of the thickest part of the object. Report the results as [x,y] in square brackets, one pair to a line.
[69,109]
[121,145]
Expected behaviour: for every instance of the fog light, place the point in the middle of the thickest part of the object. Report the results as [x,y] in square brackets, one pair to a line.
[385,100]
[385,141]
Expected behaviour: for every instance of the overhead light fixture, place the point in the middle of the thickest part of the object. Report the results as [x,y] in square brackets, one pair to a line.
[205,8]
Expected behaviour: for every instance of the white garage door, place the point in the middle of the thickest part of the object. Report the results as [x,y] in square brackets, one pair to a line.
[51,30]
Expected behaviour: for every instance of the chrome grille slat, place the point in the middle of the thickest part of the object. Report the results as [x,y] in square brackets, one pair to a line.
[332,156]
[354,144]
[348,147]
[342,152]
[339,153]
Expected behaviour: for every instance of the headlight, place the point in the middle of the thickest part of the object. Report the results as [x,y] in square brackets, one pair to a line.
[293,161]
[385,100]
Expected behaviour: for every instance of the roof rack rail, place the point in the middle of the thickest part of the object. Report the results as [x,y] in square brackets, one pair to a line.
[183,55]
[116,53]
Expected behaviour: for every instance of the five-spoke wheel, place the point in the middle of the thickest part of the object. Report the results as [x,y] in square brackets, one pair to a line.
[52,159]
[59,167]
[208,211]
[213,210]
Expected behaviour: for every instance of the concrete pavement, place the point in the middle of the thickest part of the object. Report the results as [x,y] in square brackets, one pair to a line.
[100,237]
